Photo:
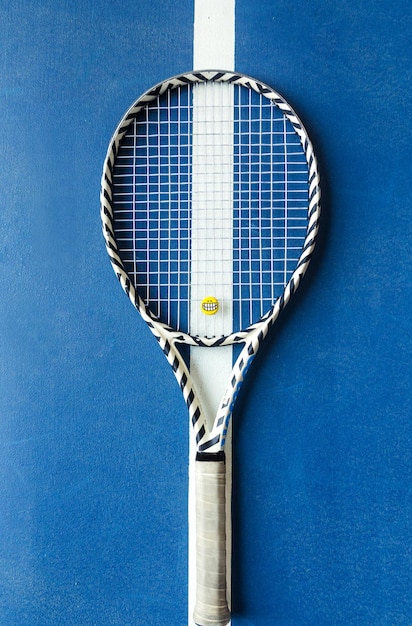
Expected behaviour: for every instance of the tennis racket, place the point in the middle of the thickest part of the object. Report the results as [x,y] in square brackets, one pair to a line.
[210,209]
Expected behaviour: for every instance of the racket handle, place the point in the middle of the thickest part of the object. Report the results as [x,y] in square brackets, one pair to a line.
[211,608]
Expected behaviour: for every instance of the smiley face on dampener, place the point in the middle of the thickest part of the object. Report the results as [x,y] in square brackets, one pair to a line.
[209,305]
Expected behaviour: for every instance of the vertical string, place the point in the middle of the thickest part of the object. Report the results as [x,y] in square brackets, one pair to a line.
[286,207]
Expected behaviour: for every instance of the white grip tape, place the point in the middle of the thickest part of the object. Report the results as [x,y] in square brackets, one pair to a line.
[211,608]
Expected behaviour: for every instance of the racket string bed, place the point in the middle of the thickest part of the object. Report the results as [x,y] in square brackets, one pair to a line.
[153,205]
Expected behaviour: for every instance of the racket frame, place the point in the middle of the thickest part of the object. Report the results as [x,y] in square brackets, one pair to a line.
[210,442]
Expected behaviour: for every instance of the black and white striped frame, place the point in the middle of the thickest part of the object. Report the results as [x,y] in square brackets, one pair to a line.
[252,336]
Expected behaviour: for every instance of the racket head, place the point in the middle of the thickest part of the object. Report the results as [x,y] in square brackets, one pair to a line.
[150,185]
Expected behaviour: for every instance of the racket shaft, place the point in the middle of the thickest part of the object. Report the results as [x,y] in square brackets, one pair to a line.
[211,608]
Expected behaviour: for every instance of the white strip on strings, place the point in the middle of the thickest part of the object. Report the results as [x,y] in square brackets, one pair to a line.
[212,209]
[212,268]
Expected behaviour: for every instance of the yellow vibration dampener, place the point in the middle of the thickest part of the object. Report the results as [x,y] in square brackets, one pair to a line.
[209,305]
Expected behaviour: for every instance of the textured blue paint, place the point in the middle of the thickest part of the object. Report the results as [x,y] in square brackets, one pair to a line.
[92,490]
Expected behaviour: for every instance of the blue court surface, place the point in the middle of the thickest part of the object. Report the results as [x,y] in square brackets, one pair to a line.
[94,432]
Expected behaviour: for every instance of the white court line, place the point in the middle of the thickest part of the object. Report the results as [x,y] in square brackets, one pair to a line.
[214,35]
[213,48]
